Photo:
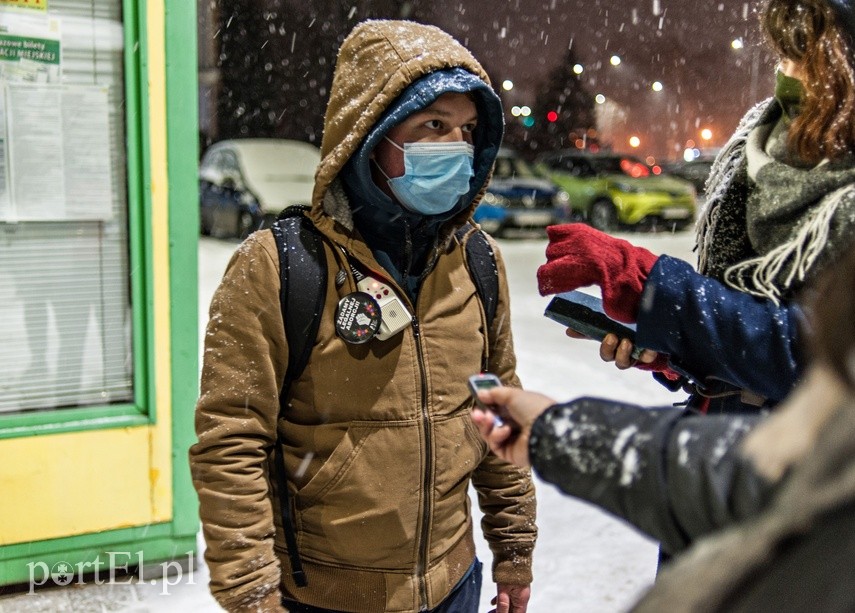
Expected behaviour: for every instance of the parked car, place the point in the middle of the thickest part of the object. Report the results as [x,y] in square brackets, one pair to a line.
[518,196]
[610,190]
[694,171]
[245,183]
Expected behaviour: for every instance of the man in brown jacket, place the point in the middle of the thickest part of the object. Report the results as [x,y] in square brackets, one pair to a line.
[377,442]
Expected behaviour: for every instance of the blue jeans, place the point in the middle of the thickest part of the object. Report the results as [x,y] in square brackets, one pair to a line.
[464,598]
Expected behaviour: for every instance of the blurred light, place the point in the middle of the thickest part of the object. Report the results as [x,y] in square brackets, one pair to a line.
[528,121]
[591,132]
[634,141]
[507,85]
[657,86]
[580,144]
[650,160]
[552,116]
[600,98]
[657,170]
[516,111]
[690,144]
[737,43]
[696,153]
[615,60]
[688,155]
[633,168]
[578,68]
[525,111]
[706,134]
[594,148]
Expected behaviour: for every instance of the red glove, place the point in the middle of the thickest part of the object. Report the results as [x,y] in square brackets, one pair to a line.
[578,255]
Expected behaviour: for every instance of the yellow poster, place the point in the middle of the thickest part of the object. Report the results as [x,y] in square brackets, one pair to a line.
[40,5]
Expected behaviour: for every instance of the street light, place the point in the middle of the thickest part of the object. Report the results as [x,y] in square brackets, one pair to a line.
[578,68]
[657,86]
[634,141]
[600,99]
[738,45]
[615,60]
[706,134]
[507,85]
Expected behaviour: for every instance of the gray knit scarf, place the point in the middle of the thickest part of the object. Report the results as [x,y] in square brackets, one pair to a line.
[770,222]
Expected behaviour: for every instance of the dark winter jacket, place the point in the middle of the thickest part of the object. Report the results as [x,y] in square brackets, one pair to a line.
[377,438]
[799,552]
[726,339]
[673,475]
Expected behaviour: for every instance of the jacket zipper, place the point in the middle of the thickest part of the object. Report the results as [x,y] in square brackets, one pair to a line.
[421,569]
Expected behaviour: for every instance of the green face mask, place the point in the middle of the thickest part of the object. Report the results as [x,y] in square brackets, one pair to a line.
[788,92]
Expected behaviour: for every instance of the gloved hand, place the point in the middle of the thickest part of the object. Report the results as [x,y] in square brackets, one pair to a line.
[578,255]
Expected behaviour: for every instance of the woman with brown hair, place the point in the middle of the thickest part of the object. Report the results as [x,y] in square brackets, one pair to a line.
[781,207]
[782,190]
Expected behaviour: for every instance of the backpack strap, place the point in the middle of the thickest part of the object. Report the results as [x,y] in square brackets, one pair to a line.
[302,290]
[481,262]
[303,269]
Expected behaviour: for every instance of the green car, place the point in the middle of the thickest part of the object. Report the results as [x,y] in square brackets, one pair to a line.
[610,190]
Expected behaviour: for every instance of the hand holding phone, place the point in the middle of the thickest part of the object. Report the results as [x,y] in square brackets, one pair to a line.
[485,381]
[584,314]
[520,409]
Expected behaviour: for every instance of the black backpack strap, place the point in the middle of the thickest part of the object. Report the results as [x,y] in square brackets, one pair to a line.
[302,288]
[482,267]
[302,278]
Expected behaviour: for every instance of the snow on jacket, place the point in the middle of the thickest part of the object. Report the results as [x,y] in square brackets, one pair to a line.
[798,553]
[379,444]
[673,475]
[726,339]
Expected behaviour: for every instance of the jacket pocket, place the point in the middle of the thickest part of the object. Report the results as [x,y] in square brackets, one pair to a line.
[335,467]
[362,508]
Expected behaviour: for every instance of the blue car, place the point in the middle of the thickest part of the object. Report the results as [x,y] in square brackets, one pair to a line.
[519,197]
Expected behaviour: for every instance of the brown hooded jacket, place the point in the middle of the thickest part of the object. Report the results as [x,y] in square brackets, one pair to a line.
[379,445]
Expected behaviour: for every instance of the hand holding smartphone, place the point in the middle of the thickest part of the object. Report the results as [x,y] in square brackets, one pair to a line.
[584,314]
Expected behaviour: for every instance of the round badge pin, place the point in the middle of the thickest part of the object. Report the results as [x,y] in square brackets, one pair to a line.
[357,318]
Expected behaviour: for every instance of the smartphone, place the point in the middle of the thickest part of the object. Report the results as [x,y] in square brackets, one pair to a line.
[584,314]
[485,381]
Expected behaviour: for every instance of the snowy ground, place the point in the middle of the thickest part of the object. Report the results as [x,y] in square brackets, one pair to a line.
[585,561]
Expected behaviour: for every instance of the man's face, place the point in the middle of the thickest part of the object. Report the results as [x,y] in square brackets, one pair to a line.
[452,117]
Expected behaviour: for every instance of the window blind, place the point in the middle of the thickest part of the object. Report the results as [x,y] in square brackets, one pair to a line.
[65,318]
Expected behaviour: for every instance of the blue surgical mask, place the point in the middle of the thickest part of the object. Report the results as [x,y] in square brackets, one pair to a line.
[436,176]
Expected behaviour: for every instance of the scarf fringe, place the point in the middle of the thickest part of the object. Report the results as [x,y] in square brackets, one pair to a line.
[721,175]
[804,248]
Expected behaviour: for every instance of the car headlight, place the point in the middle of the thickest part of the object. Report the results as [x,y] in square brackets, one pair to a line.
[561,198]
[494,199]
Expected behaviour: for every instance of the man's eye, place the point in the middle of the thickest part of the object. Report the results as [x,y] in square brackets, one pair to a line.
[433,124]
[469,128]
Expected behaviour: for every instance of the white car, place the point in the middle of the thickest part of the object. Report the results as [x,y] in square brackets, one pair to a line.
[245,183]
